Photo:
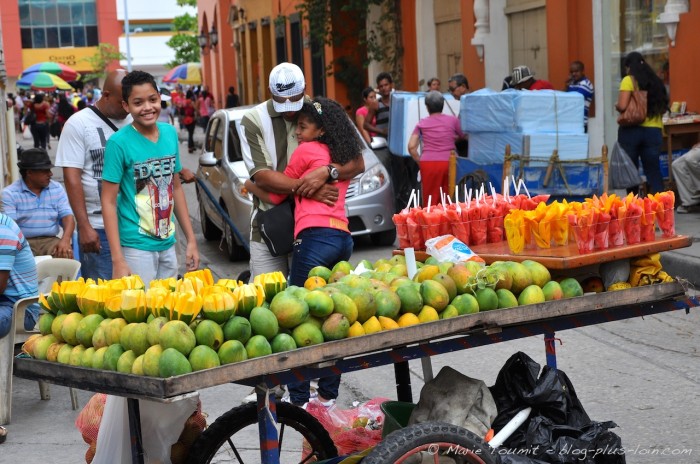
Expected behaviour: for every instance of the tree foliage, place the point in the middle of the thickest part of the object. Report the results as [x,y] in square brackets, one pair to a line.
[99,62]
[184,42]
[380,38]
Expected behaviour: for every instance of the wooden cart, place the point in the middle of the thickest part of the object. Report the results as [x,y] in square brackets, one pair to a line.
[393,347]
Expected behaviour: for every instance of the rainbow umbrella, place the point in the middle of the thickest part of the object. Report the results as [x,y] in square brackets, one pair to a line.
[187,73]
[42,81]
[59,69]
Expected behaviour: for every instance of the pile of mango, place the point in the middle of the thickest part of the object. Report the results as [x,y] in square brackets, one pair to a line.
[174,327]
[179,326]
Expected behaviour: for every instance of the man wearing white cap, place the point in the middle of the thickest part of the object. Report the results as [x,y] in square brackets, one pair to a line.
[270,130]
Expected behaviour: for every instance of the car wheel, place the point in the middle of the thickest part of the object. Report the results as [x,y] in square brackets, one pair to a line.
[209,229]
[385,238]
[234,251]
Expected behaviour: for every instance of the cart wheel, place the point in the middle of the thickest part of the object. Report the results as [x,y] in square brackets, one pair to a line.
[233,437]
[434,440]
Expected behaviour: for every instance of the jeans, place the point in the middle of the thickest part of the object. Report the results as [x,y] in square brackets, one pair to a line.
[97,265]
[644,143]
[40,133]
[317,246]
[31,315]
[190,136]
[151,265]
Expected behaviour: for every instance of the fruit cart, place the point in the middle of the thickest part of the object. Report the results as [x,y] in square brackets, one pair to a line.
[390,347]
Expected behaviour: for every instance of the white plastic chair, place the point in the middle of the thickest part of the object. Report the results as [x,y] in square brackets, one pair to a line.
[48,272]
[7,352]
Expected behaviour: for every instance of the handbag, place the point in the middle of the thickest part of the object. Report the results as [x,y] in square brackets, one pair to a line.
[623,173]
[636,111]
[277,227]
[30,118]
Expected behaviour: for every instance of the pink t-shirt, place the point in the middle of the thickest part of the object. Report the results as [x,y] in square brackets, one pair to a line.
[438,132]
[363,111]
[311,213]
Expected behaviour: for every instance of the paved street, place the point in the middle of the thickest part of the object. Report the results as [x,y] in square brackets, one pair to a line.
[643,374]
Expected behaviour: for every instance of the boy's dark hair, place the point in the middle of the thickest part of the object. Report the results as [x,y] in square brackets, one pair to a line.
[384,75]
[136,78]
[459,79]
[339,132]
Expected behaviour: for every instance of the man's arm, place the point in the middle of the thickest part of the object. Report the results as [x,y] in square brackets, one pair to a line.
[8,205]
[371,113]
[109,213]
[277,182]
[63,248]
[183,218]
[319,176]
[89,239]
[4,277]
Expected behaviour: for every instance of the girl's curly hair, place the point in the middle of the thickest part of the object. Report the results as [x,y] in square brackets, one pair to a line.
[339,133]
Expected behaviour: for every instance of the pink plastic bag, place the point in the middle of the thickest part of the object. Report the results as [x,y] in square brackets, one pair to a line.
[352,430]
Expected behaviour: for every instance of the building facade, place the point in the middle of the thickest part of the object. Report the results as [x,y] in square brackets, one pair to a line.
[483,39]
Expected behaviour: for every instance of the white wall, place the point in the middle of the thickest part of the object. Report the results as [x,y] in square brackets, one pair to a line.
[427,46]
[496,43]
[152,9]
[148,53]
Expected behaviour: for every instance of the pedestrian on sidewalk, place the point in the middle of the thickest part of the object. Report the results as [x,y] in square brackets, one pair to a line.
[141,189]
[81,155]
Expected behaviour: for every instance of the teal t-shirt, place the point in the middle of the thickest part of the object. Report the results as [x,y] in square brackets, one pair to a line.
[144,171]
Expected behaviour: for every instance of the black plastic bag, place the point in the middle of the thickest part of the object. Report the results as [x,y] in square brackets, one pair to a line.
[558,429]
[623,173]
[519,384]
[563,444]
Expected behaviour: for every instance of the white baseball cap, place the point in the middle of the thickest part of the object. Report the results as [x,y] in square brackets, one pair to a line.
[287,80]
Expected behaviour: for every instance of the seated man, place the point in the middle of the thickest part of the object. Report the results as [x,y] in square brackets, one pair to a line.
[686,174]
[40,206]
[18,278]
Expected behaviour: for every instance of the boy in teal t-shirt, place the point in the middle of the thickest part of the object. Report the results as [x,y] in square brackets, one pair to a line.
[141,189]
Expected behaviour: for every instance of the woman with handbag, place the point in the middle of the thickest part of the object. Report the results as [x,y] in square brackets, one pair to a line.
[40,128]
[189,119]
[326,135]
[640,123]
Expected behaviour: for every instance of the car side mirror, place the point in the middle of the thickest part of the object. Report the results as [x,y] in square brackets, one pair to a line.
[208,160]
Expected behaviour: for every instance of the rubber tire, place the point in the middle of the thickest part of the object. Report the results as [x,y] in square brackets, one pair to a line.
[386,238]
[209,229]
[402,441]
[204,449]
[234,251]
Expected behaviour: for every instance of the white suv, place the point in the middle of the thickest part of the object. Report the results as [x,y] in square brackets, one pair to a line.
[369,200]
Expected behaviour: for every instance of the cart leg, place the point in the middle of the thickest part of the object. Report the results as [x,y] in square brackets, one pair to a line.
[135,430]
[267,425]
[403,382]
[550,349]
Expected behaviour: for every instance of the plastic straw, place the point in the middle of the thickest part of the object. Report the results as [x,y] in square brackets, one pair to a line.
[522,182]
[430,199]
[442,196]
[411,198]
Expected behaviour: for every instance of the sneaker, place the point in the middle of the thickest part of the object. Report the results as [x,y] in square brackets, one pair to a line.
[683,209]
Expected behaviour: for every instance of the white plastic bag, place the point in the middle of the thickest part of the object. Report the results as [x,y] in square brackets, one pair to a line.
[161,425]
[449,248]
[27,133]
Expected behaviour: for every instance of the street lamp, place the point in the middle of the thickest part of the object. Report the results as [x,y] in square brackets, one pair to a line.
[202,39]
[213,37]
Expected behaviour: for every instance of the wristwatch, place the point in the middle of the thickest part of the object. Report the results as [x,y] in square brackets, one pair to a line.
[333,173]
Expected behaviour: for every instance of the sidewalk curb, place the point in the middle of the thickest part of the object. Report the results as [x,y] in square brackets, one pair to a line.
[683,265]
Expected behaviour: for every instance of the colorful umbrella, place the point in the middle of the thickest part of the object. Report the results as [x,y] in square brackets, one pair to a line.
[42,81]
[187,73]
[59,69]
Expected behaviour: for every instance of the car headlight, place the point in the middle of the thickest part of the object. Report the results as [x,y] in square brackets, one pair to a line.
[373,179]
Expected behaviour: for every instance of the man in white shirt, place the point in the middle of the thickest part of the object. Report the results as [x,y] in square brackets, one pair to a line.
[81,155]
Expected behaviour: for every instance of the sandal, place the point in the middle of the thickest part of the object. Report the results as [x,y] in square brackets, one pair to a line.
[3,434]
